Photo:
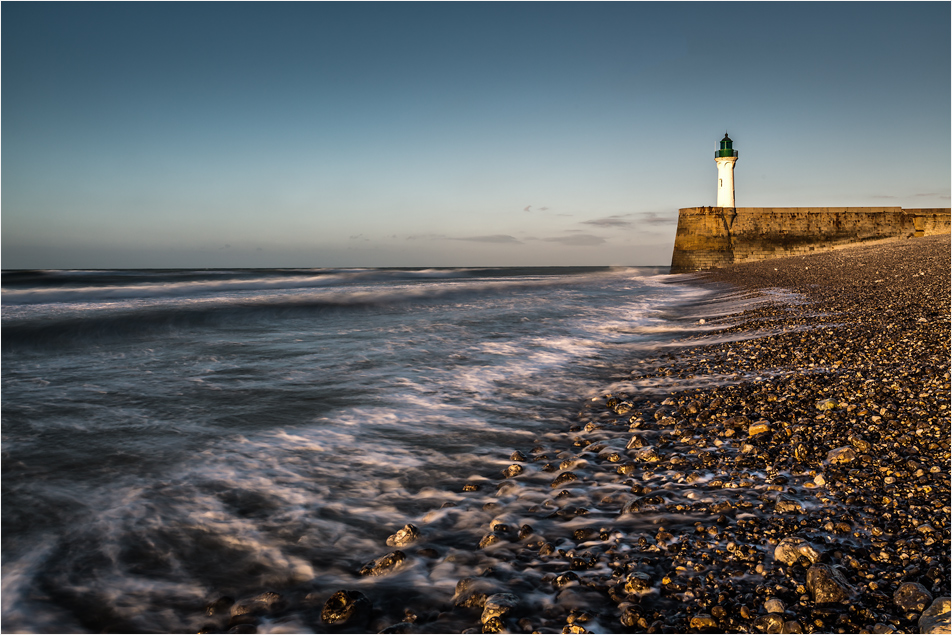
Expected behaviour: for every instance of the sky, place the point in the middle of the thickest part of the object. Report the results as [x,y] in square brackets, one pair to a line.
[449,134]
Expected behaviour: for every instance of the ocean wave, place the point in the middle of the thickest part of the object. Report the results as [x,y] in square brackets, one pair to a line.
[42,287]
[36,324]
[169,289]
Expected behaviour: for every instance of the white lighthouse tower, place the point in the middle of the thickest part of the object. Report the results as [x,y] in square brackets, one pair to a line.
[725,158]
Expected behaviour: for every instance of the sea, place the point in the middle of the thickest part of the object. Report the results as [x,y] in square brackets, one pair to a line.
[170,437]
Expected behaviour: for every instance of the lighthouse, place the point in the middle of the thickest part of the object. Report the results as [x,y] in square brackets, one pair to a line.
[725,158]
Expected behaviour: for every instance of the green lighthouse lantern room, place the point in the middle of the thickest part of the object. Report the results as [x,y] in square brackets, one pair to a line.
[727,149]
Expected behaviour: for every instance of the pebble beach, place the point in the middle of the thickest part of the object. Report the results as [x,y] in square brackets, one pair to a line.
[801,487]
[761,448]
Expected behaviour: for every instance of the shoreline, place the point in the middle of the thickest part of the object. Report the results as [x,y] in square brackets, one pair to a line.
[804,489]
[837,428]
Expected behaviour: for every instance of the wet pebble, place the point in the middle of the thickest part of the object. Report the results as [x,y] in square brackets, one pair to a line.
[827,585]
[912,596]
[405,536]
[498,605]
[346,607]
[637,582]
[220,606]
[771,623]
[790,549]
[761,427]
[845,454]
[936,618]
[563,478]
[472,592]
[703,622]
[384,564]
[513,470]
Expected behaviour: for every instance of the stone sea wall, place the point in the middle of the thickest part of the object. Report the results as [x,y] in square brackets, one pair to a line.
[710,237]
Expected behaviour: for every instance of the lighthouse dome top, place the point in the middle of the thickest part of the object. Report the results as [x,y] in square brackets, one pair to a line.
[727,148]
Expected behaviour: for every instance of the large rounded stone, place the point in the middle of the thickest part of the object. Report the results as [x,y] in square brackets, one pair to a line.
[384,564]
[632,617]
[472,592]
[346,607]
[703,622]
[845,454]
[637,442]
[790,549]
[758,428]
[563,478]
[513,470]
[827,585]
[936,618]
[647,454]
[220,606]
[770,623]
[912,597]
[498,605]
[861,444]
[565,579]
[637,582]
[409,534]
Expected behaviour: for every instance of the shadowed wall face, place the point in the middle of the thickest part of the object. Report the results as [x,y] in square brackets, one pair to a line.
[717,236]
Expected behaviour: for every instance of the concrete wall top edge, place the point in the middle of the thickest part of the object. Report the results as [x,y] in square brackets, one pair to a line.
[818,210]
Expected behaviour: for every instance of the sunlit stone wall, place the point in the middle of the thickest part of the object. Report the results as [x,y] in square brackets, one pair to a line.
[718,236]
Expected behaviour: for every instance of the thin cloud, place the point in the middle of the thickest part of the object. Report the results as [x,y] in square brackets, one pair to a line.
[577,240]
[622,220]
[618,220]
[651,218]
[526,208]
[428,237]
[499,239]
[933,195]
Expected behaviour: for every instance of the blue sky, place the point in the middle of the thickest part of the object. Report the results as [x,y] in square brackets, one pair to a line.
[404,134]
